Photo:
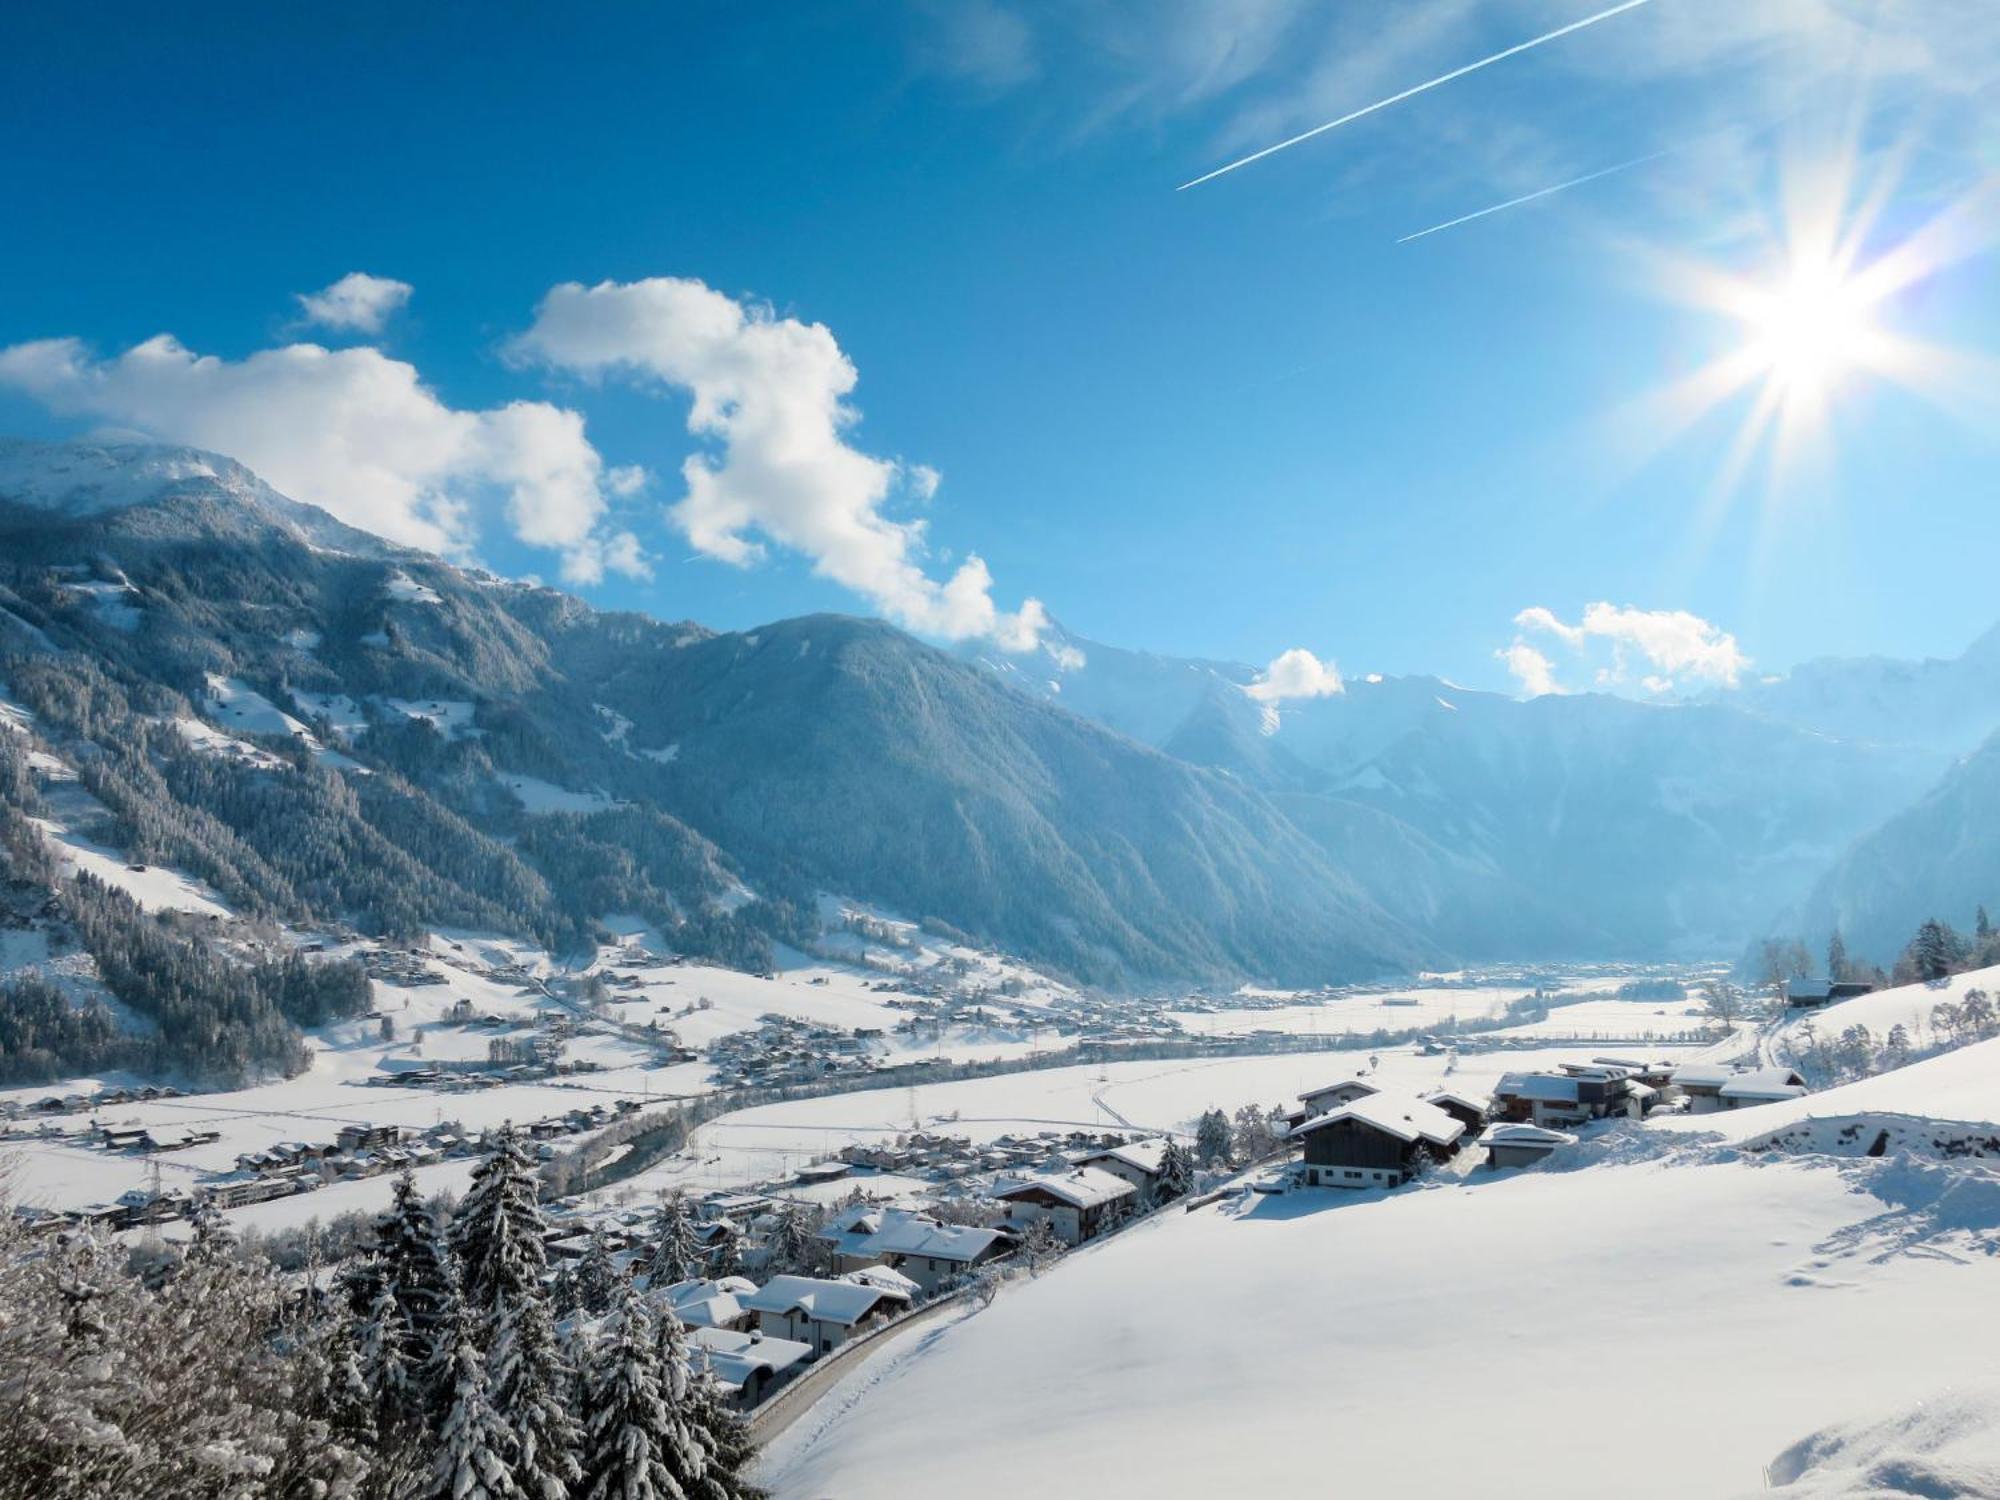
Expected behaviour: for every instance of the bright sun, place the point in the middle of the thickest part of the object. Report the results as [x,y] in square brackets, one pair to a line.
[1810,329]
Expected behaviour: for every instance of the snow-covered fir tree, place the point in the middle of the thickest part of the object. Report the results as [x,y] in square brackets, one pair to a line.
[724,1439]
[497,1235]
[635,1448]
[597,1278]
[677,1254]
[1176,1173]
[476,1453]
[1211,1138]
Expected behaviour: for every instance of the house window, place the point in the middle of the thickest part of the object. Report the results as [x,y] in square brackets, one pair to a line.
[1353,1174]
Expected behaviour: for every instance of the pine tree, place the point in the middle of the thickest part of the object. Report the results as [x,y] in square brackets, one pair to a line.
[724,1438]
[632,1432]
[497,1236]
[475,1450]
[413,1262]
[1176,1173]
[725,1257]
[1837,967]
[382,1353]
[793,1248]
[677,1252]
[1211,1138]
[1982,925]
[596,1277]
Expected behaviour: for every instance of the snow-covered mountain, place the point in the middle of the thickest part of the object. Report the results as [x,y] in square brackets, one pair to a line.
[546,764]
[1588,823]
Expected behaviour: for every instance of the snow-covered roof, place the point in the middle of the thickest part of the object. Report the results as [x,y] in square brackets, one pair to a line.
[1703,1075]
[842,1302]
[1144,1156]
[1479,1103]
[1765,1083]
[889,1280]
[1522,1134]
[734,1355]
[1358,1087]
[914,1234]
[1406,1119]
[709,1304]
[865,1230]
[1086,1187]
[1541,1088]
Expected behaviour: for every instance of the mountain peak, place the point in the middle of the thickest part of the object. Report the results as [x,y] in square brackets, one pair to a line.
[86,480]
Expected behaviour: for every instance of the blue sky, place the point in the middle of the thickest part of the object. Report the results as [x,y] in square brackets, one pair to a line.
[1230,421]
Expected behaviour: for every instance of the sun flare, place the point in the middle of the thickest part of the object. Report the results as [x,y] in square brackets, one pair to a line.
[1810,329]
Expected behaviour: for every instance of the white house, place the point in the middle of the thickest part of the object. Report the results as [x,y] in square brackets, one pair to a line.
[712,1304]
[1325,1100]
[1076,1204]
[747,1365]
[823,1314]
[1762,1086]
[926,1251]
[1137,1162]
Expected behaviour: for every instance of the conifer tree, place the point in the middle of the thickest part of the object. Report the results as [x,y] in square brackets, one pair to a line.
[1176,1173]
[382,1353]
[596,1277]
[1836,957]
[413,1262]
[677,1252]
[475,1457]
[632,1436]
[1211,1138]
[725,1440]
[497,1235]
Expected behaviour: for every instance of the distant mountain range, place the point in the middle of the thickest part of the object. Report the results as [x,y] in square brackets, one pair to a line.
[1125,817]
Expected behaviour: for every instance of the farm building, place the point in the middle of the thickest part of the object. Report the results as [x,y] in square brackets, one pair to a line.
[1078,1204]
[1378,1141]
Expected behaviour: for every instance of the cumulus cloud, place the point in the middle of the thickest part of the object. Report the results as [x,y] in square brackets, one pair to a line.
[354,432]
[1533,670]
[1296,674]
[771,393]
[357,303]
[1659,650]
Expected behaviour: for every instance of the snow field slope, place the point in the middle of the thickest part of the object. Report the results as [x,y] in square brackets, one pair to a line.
[1671,1325]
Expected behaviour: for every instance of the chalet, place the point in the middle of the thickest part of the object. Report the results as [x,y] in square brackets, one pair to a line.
[1514,1144]
[713,1304]
[127,1138]
[1701,1085]
[747,1364]
[1324,1100]
[821,1314]
[1078,1204]
[1139,1163]
[927,1252]
[1761,1086]
[1810,994]
[1470,1110]
[1377,1141]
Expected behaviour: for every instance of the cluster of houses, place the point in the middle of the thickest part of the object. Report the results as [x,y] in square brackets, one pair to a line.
[76,1104]
[784,1052]
[1357,1134]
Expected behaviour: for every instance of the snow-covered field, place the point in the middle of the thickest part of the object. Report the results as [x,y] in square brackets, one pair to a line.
[1666,1327]
[773,1140]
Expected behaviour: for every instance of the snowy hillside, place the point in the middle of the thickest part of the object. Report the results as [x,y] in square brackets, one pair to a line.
[1673,1324]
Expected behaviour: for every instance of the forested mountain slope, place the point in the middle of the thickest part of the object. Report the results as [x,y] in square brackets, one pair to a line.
[323,726]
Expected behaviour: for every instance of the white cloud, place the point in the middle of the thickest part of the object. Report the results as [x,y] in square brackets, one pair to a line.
[354,432]
[1296,674]
[357,303]
[771,392]
[1534,671]
[1662,650]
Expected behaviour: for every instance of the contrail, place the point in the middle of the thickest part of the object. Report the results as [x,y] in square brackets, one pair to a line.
[1623,166]
[1409,93]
